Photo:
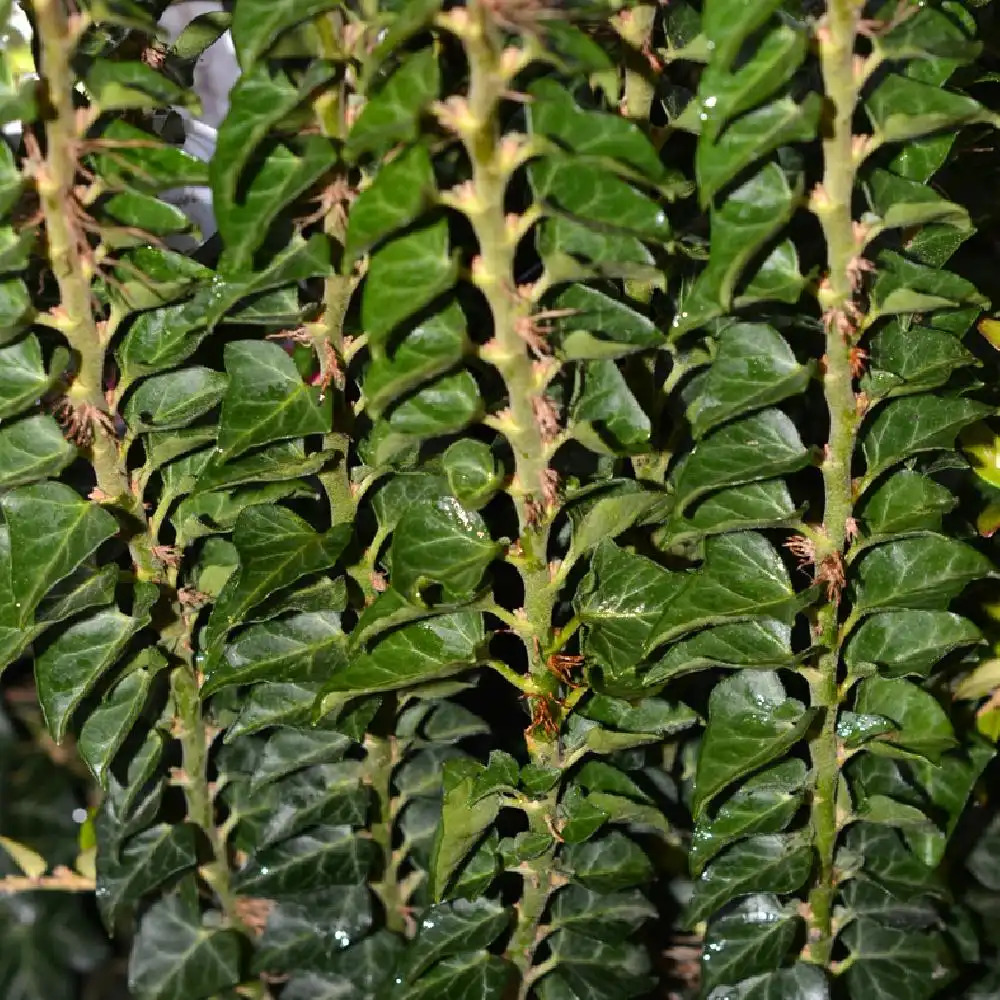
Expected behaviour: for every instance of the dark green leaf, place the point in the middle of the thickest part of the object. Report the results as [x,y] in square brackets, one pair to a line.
[607,864]
[751,722]
[765,803]
[777,863]
[440,542]
[909,642]
[428,650]
[300,649]
[901,108]
[742,576]
[405,275]
[760,447]
[175,399]
[53,530]
[276,548]
[32,449]
[403,188]
[258,24]
[752,938]
[463,822]
[265,400]
[913,424]
[889,962]
[176,957]
[392,113]
[144,863]
[922,725]
[920,572]
[906,501]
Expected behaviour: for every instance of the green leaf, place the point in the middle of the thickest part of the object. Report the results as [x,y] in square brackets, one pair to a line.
[440,542]
[607,518]
[906,501]
[589,194]
[291,750]
[175,957]
[921,572]
[445,406]
[405,275]
[23,379]
[472,976]
[303,930]
[454,927]
[274,178]
[276,548]
[163,338]
[32,449]
[764,803]
[145,212]
[590,968]
[802,981]
[891,962]
[572,250]
[107,727]
[401,191]
[903,203]
[760,642]
[258,24]
[201,32]
[424,651]
[76,660]
[760,447]
[606,416]
[753,368]
[613,916]
[751,722]
[556,115]
[142,864]
[298,649]
[777,863]
[901,108]
[751,137]
[215,513]
[474,475]
[464,820]
[326,855]
[748,218]
[729,24]
[53,530]
[607,864]
[752,505]
[913,424]
[15,308]
[752,938]
[265,400]
[618,603]
[908,642]
[436,344]
[175,399]
[260,98]
[598,327]
[392,114]
[118,86]
[742,576]
[919,357]
[922,724]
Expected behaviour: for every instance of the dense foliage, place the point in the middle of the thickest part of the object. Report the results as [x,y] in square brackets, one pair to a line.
[539,539]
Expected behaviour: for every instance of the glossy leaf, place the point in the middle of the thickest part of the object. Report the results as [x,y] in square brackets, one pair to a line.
[751,722]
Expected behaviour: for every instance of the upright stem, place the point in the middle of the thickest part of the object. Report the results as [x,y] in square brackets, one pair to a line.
[195,744]
[54,180]
[832,206]
[493,160]
[494,157]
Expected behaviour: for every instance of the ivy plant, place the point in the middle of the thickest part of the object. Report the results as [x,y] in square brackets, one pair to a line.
[528,539]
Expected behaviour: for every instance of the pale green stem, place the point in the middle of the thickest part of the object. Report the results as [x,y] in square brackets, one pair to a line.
[832,206]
